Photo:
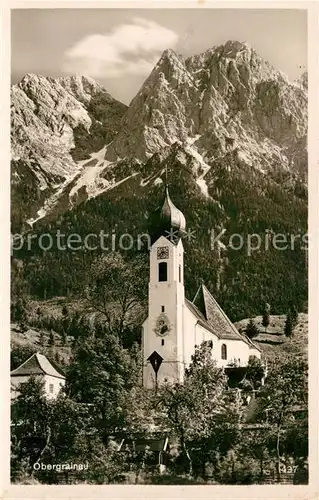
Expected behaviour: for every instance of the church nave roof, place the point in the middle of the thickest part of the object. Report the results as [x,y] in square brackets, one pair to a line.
[216,318]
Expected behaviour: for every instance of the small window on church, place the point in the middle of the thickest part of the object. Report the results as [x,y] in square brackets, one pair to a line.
[162,341]
[163,309]
[224,351]
[180,273]
[162,271]
[50,388]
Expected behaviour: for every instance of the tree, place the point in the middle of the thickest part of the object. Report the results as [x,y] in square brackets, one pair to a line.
[266,316]
[140,417]
[41,338]
[252,329]
[30,426]
[289,325]
[285,388]
[56,431]
[65,323]
[296,445]
[73,329]
[251,459]
[118,290]
[19,292]
[291,321]
[51,341]
[72,434]
[255,371]
[294,316]
[19,311]
[102,373]
[202,412]
[63,337]
[39,314]
[65,311]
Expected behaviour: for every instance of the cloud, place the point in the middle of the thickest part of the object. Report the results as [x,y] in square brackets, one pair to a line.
[127,49]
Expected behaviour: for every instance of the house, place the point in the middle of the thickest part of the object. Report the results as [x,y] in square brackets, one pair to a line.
[153,451]
[175,325]
[39,367]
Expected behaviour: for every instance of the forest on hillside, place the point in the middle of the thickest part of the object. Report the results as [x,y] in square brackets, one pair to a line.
[241,202]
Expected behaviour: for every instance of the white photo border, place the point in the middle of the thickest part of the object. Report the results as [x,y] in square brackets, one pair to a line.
[304,492]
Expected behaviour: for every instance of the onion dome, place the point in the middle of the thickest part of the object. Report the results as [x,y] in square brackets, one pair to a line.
[171,218]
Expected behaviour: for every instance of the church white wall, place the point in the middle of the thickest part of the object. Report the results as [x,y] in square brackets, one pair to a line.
[195,335]
[237,351]
[204,335]
[189,328]
[169,372]
[254,352]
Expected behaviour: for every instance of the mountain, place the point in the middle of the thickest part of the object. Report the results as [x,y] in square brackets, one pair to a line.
[302,81]
[273,340]
[229,130]
[226,98]
[52,122]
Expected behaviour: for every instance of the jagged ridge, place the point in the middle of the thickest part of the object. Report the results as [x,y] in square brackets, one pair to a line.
[225,100]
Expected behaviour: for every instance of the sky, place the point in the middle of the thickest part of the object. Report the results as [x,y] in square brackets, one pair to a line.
[119,47]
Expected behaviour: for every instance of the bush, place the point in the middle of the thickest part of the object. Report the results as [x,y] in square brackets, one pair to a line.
[252,329]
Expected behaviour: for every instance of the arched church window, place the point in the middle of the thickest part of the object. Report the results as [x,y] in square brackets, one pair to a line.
[162,271]
[224,351]
[180,273]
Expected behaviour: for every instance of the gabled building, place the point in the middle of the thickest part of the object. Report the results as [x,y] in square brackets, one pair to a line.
[175,325]
[152,451]
[39,367]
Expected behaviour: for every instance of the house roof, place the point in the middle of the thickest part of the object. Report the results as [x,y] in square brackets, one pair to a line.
[37,364]
[200,317]
[219,323]
[140,444]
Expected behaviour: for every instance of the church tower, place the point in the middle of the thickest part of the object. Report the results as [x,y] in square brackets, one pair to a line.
[163,330]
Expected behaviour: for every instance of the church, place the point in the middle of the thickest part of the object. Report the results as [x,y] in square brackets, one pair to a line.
[175,325]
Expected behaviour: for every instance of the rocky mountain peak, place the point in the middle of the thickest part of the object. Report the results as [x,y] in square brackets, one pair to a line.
[226,102]
[170,58]
[55,122]
[170,69]
[170,55]
[82,87]
[233,47]
[302,81]
[228,91]
[29,78]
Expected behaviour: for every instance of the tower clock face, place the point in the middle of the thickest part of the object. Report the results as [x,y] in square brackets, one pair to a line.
[162,326]
[162,252]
